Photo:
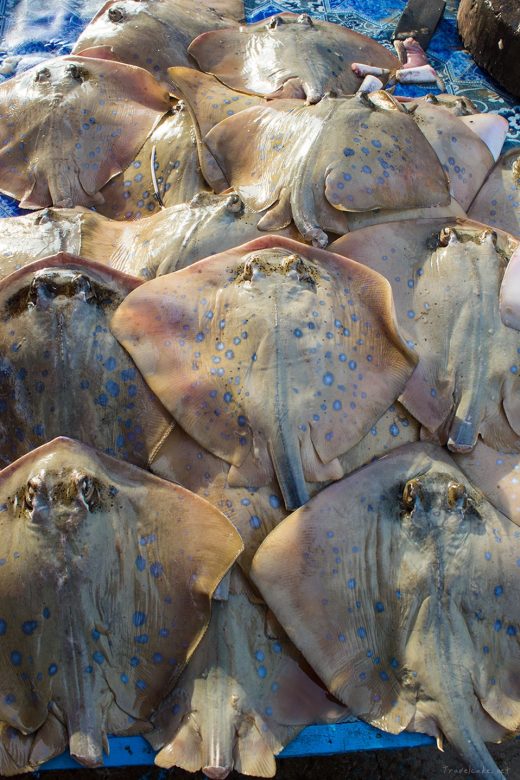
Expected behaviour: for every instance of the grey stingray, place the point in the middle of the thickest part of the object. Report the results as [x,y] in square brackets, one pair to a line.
[62,373]
[243,697]
[106,587]
[39,234]
[290,56]
[497,203]
[154,34]
[446,281]
[82,121]
[170,151]
[343,154]
[254,511]
[207,225]
[395,587]
[275,356]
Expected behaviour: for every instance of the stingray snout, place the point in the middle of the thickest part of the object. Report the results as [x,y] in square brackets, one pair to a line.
[216,772]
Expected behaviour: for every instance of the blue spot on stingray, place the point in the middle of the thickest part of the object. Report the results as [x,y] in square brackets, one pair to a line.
[228,397]
[164,632]
[328,378]
[254,521]
[498,625]
[394,430]
[3,627]
[140,563]
[351,583]
[141,685]
[124,678]
[134,661]
[380,607]
[511,631]
[52,670]
[277,648]
[156,569]
[157,658]
[102,400]
[98,657]
[352,365]
[110,363]
[141,639]
[348,152]
[112,388]
[487,556]
[262,672]
[297,332]
[260,655]
[46,613]
[29,627]
[337,405]
[16,658]
[394,663]
[139,619]
[499,590]
[95,634]
[361,632]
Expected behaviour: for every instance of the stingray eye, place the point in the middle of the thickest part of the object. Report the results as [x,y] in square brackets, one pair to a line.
[77,73]
[30,492]
[234,204]
[87,489]
[274,23]
[411,491]
[43,75]
[457,496]
[305,19]
[116,15]
[83,288]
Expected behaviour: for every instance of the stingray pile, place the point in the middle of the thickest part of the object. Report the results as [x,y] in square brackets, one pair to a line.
[259,395]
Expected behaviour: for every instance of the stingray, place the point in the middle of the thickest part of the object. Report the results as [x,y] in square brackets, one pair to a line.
[39,234]
[69,125]
[271,355]
[290,56]
[346,154]
[399,586]
[498,201]
[61,370]
[498,476]
[209,102]
[165,172]
[106,585]
[254,511]
[243,697]
[467,145]
[446,282]
[205,226]
[154,34]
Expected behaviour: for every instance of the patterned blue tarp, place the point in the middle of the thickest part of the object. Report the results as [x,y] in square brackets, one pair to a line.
[33,30]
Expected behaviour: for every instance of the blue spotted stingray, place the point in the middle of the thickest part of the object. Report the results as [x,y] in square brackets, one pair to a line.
[275,356]
[106,577]
[399,584]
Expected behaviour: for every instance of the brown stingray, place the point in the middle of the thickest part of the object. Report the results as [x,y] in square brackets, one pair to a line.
[394,586]
[465,157]
[446,282]
[61,370]
[357,154]
[24,752]
[209,102]
[271,355]
[39,234]
[106,586]
[154,34]
[254,511]
[498,201]
[242,698]
[171,150]
[290,56]
[498,476]
[82,121]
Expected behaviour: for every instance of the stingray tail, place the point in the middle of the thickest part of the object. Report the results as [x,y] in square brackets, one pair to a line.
[460,730]
[288,467]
